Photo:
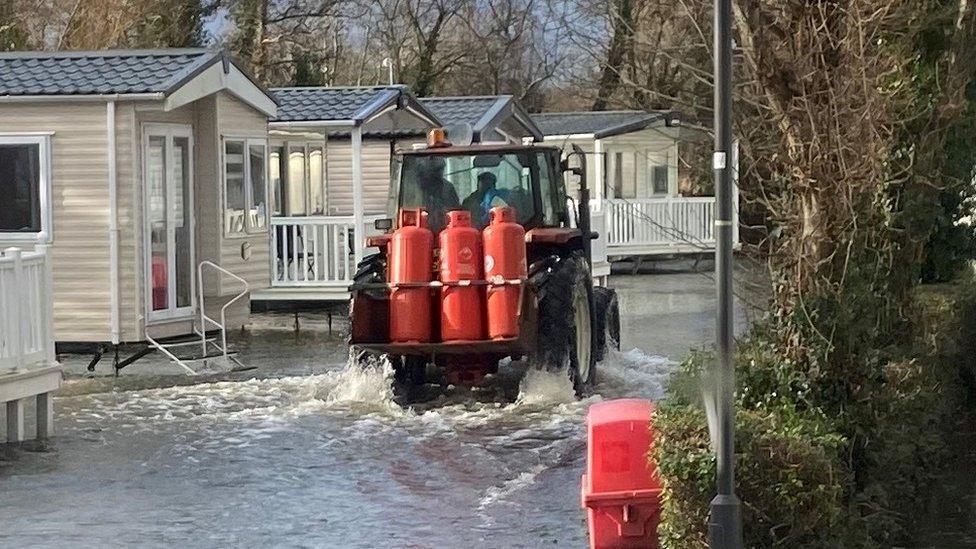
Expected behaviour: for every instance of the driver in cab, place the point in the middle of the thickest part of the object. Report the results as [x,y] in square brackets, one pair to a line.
[488,196]
[484,198]
[437,195]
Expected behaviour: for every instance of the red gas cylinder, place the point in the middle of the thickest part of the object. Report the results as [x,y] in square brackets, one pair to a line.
[504,260]
[621,488]
[411,255]
[462,307]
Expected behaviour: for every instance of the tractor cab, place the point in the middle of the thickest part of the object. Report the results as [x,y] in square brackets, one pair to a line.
[478,178]
[440,177]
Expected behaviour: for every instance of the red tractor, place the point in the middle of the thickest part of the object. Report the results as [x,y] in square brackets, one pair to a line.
[427,303]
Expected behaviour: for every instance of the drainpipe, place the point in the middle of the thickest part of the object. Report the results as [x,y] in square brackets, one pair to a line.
[113,221]
[357,194]
[598,176]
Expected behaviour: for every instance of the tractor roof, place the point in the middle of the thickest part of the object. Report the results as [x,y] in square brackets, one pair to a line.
[491,148]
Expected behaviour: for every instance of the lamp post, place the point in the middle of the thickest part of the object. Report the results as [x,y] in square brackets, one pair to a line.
[388,64]
[725,522]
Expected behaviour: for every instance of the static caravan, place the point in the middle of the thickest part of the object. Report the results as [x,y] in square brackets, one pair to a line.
[330,156]
[633,174]
[136,167]
[321,183]
[492,118]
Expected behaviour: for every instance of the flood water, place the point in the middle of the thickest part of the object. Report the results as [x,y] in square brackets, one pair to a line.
[306,452]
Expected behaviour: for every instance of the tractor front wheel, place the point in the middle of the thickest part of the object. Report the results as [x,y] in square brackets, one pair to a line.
[409,376]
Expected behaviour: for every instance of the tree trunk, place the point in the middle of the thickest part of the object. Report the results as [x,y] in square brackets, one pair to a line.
[621,47]
[259,57]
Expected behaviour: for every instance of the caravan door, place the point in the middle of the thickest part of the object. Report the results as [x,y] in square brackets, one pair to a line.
[168,221]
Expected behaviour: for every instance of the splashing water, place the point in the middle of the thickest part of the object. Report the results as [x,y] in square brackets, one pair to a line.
[539,386]
[364,383]
[634,373]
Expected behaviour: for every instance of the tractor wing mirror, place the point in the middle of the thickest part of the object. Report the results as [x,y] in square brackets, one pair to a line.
[565,167]
[384,224]
[580,169]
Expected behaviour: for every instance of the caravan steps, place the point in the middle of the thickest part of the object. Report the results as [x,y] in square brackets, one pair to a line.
[187,351]
[211,347]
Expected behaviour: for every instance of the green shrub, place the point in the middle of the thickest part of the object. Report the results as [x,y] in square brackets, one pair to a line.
[907,450]
[811,473]
[790,476]
[945,321]
[763,380]
[921,400]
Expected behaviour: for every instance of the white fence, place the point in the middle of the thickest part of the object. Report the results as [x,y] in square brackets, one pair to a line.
[680,222]
[315,251]
[26,308]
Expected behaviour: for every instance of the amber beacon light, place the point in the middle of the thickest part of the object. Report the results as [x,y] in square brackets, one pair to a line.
[437,138]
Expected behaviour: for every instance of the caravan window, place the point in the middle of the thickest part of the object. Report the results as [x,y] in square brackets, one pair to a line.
[659,179]
[245,186]
[277,181]
[296,181]
[658,172]
[618,174]
[316,180]
[235,200]
[24,186]
[257,176]
[303,183]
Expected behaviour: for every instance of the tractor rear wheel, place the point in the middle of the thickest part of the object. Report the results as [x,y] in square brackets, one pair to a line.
[607,321]
[565,339]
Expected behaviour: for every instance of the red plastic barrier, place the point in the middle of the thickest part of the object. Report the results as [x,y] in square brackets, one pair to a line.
[621,489]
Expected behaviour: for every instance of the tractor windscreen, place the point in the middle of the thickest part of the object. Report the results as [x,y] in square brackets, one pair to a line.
[475,182]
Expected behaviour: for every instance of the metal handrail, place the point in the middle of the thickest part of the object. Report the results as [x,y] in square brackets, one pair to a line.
[317,219]
[223,310]
[314,220]
[162,348]
[657,200]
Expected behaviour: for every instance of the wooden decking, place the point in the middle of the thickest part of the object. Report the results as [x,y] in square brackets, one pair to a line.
[18,388]
[28,370]
[320,292]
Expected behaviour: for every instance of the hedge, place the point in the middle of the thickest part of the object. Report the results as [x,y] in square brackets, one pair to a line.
[791,484]
[796,473]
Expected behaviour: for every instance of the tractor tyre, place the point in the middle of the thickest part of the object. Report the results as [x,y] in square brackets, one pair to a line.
[409,376]
[607,321]
[565,338]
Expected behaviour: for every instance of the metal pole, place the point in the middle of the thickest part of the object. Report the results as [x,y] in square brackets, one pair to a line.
[388,63]
[357,196]
[725,524]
